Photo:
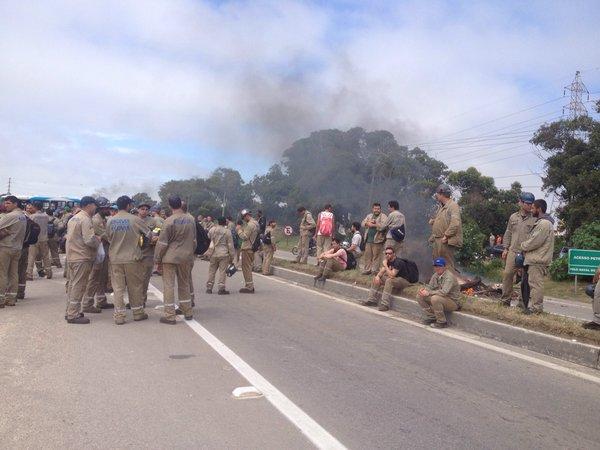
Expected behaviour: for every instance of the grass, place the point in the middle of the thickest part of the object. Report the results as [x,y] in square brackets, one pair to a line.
[548,323]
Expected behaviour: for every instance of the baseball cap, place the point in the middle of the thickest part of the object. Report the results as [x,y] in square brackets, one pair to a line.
[244,212]
[527,197]
[87,200]
[439,262]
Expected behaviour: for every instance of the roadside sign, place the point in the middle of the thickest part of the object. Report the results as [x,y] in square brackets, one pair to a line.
[583,262]
[288,230]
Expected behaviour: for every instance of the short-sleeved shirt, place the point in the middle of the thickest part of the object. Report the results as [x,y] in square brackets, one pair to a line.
[356,241]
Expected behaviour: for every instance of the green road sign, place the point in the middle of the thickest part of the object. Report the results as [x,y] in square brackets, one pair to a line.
[583,262]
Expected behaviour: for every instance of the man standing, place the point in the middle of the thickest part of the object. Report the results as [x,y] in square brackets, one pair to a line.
[446,227]
[53,238]
[82,245]
[259,255]
[41,248]
[98,280]
[440,295]
[12,233]
[517,230]
[595,323]
[223,254]
[307,226]
[538,249]
[392,275]
[148,250]
[374,239]
[127,234]
[32,231]
[394,227]
[248,232]
[175,253]
[269,247]
[325,229]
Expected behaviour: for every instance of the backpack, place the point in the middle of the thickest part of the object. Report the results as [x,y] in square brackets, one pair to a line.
[236,240]
[202,240]
[257,243]
[51,229]
[266,239]
[32,231]
[398,233]
[412,270]
[350,261]
[325,224]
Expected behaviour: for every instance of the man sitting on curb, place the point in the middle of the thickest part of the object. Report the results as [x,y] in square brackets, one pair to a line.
[393,274]
[332,260]
[440,295]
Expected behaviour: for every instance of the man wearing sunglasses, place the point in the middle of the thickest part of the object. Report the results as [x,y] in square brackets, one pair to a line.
[392,275]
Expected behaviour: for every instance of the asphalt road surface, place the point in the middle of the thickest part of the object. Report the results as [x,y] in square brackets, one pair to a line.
[366,380]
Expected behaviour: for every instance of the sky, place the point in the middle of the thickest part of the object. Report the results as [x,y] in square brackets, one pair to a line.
[120,96]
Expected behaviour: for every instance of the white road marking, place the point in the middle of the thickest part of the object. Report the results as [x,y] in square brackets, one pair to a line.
[453,335]
[308,426]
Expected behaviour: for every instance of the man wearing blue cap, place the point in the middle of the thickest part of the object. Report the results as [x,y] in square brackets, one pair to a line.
[517,230]
[440,295]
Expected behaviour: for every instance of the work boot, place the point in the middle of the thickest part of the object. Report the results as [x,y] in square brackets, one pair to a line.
[92,310]
[49,275]
[178,311]
[439,325]
[427,321]
[223,292]
[189,317]
[383,308]
[140,317]
[209,290]
[128,306]
[591,326]
[80,315]
[367,303]
[167,321]
[20,295]
[246,290]
[120,321]
[42,273]
[79,320]
[106,305]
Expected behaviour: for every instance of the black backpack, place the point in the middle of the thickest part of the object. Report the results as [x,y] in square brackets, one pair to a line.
[350,261]
[202,240]
[32,232]
[398,233]
[412,271]
[257,243]
[266,239]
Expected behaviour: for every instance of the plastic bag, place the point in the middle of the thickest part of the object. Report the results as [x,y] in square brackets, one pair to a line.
[100,255]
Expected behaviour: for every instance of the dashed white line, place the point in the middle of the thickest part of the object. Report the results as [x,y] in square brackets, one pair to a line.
[320,437]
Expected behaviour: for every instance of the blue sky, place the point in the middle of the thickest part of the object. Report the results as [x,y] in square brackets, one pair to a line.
[120,96]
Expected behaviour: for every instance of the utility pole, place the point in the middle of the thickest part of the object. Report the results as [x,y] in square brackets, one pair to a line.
[577,89]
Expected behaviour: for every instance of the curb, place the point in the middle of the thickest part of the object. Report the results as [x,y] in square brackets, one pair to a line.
[569,350]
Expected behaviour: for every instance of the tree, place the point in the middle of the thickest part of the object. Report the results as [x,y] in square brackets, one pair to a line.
[142,197]
[572,168]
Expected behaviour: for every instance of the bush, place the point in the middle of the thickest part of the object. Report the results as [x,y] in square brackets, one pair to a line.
[493,269]
[587,236]
[471,252]
[559,269]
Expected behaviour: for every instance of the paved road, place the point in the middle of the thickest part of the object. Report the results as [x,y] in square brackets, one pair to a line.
[369,380]
[569,308]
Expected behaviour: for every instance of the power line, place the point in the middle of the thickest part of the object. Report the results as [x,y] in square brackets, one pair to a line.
[519,175]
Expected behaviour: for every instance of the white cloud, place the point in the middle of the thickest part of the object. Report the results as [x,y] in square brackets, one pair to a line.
[81,80]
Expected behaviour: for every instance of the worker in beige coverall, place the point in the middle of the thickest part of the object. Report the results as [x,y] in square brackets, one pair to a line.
[175,253]
[446,228]
[538,250]
[127,235]
[222,253]
[41,247]
[307,228]
[13,225]
[269,249]
[440,295]
[148,250]
[248,233]
[519,226]
[82,246]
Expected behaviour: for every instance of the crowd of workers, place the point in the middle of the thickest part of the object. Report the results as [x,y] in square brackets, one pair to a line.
[117,247]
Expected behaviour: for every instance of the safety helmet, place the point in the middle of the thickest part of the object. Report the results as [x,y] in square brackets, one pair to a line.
[527,197]
[590,289]
[231,270]
[519,260]
[444,189]
[244,212]
[102,202]
[439,262]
